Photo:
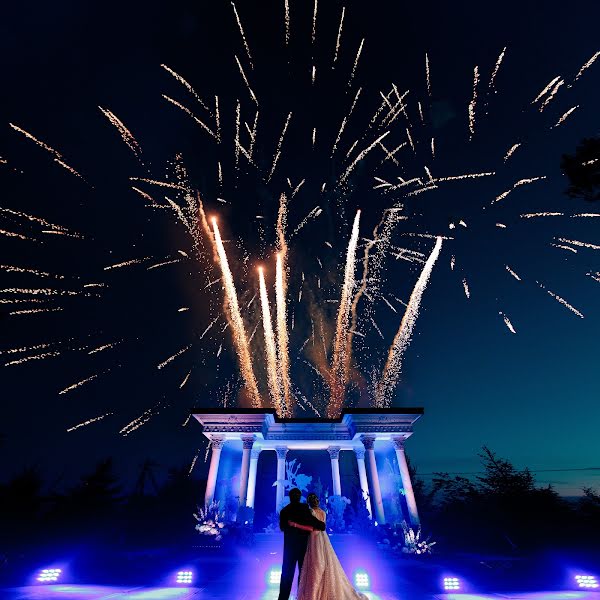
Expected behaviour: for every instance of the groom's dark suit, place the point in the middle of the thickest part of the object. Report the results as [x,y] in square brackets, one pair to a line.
[294,542]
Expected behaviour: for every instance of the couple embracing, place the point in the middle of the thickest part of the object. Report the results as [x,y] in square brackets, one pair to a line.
[306,544]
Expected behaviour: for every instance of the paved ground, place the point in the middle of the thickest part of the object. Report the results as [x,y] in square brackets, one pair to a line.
[85,592]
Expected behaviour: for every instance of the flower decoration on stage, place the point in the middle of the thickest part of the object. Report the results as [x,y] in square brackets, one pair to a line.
[337,506]
[293,477]
[211,521]
[413,544]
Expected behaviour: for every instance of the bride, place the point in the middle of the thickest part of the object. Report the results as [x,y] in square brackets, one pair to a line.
[322,576]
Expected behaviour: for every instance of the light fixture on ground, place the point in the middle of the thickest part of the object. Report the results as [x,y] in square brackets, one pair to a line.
[586,581]
[49,575]
[451,584]
[184,577]
[361,580]
[274,576]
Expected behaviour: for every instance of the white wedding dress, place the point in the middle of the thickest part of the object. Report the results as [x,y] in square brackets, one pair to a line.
[322,576]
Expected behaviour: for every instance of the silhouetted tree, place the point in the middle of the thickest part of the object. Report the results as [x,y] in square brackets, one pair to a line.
[583,170]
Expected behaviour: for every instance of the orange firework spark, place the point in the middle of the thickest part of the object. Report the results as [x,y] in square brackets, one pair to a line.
[237,324]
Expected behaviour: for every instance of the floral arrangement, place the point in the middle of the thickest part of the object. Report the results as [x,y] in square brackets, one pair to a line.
[211,521]
[413,544]
[337,505]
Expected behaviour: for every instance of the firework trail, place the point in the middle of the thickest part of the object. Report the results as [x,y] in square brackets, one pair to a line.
[578,243]
[595,276]
[561,300]
[270,350]
[473,103]
[586,215]
[58,158]
[393,366]
[14,269]
[339,36]
[239,23]
[235,317]
[173,357]
[253,134]
[125,134]
[185,379]
[551,95]
[427,76]
[519,183]
[345,121]
[243,74]
[507,322]
[546,89]
[78,384]
[33,219]
[16,235]
[280,297]
[279,144]
[340,346]
[166,184]
[164,263]
[511,151]
[564,248]
[314,75]
[541,214]
[89,421]
[565,116]
[360,156]
[128,263]
[104,347]
[20,361]
[353,73]
[237,145]
[188,87]
[314,22]
[513,273]
[194,460]
[496,69]
[287,21]
[188,112]
[586,66]
[466,288]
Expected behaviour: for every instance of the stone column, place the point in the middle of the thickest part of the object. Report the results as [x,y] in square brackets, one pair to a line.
[406,482]
[369,444]
[281,454]
[362,476]
[217,443]
[254,454]
[334,455]
[248,442]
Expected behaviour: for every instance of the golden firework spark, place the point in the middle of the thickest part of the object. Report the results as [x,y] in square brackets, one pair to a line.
[473,103]
[340,346]
[270,350]
[239,23]
[125,134]
[393,366]
[508,323]
[279,145]
[237,324]
[339,35]
[89,422]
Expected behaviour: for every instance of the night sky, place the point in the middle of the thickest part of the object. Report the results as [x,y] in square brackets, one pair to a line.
[533,397]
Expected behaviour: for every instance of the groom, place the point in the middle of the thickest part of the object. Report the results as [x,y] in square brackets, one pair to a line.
[294,539]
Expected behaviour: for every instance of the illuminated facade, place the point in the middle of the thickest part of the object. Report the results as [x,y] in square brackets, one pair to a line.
[362,431]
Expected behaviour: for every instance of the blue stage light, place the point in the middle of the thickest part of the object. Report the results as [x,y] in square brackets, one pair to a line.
[586,581]
[184,577]
[49,575]
[274,576]
[361,580]
[451,584]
